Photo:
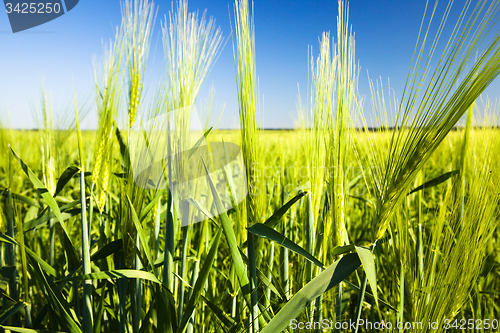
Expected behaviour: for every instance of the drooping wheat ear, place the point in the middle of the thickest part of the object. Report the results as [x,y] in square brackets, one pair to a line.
[138,21]
[423,122]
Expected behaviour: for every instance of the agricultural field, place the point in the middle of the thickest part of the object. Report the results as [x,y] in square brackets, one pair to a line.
[149,225]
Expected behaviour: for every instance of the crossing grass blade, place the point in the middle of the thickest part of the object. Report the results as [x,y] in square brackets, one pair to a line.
[368,264]
[38,222]
[7,239]
[326,280]
[238,263]
[141,235]
[21,198]
[57,301]
[198,143]
[66,176]
[42,190]
[221,315]
[199,206]
[46,267]
[436,181]
[107,250]
[200,282]
[11,311]
[165,304]
[264,231]
[272,221]
[274,287]
[116,274]
[145,211]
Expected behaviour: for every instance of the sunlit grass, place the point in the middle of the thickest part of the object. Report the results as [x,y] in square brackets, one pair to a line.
[401,221]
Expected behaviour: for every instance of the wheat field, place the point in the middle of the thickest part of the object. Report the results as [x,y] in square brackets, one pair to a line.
[339,225]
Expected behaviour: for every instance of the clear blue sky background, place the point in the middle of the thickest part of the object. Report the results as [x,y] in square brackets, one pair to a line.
[59,54]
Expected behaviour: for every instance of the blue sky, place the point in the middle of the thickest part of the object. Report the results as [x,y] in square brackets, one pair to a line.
[59,54]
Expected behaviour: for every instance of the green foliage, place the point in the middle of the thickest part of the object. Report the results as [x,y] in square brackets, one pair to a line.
[404,226]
